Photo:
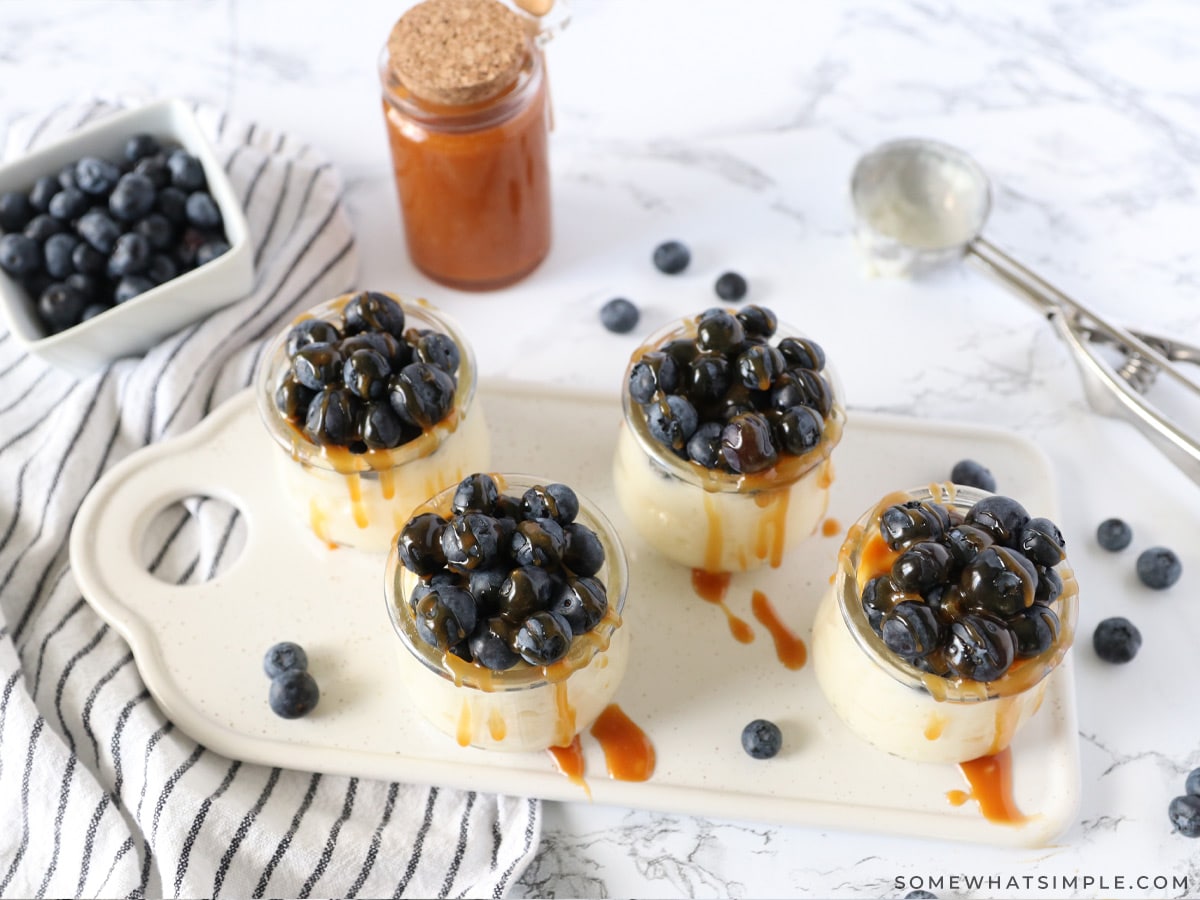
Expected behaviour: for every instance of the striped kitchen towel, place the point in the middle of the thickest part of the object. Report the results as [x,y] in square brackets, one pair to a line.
[100,795]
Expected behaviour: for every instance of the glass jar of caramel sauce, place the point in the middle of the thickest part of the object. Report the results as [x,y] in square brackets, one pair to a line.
[467,115]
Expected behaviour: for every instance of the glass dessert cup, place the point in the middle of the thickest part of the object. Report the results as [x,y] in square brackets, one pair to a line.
[714,520]
[360,500]
[898,707]
[525,707]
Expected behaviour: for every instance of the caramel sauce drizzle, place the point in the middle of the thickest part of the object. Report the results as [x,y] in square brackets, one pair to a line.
[831,527]
[788,647]
[464,724]
[934,728]
[772,527]
[991,783]
[565,726]
[497,727]
[569,761]
[628,752]
[316,521]
[711,587]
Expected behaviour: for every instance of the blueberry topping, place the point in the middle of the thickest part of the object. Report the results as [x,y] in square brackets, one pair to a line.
[478,492]
[879,595]
[472,541]
[965,542]
[19,255]
[419,544]
[758,321]
[543,639]
[904,524]
[980,647]
[762,739]
[311,331]
[911,629]
[446,616]
[555,501]
[1185,815]
[380,428]
[1049,587]
[422,395]
[747,445]
[619,315]
[318,366]
[719,331]
[798,429]
[293,694]
[801,353]
[332,417]
[672,420]
[525,591]
[1114,534]
[971,474]
[491,644]
[134,196]
[373,311]
[538,542]
[366,374]
[655,371]
[759,366]
[999,581]
[731,286]
[398,353]
[708,377]
[95,176]
[292,400]
[1116,640]
[582,602]
[1159,568]
[921,567]
[671,257]
[1036,630]
[704,446]
[486,585]
[1042,542]
[286,656]
[187,173]
[1001,517]
[437,349]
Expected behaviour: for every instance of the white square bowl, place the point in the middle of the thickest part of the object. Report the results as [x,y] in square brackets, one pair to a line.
[132,327]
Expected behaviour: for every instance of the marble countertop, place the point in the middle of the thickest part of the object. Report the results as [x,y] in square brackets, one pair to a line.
[734,127]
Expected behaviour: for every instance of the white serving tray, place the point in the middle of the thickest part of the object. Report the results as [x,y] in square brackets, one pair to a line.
[690,685]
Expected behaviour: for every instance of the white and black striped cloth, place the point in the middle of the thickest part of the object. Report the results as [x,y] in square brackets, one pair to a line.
[100,795]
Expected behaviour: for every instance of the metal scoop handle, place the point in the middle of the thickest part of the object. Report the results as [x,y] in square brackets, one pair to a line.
[1110,391]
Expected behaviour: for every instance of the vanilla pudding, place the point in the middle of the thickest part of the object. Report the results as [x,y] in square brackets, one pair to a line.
[924,707]
[357,476]
[490,678]
[723,462]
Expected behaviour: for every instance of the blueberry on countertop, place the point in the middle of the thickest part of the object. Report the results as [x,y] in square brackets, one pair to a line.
[972,474]
[762,739]
[671,257]
[620,316]
[286,656]
[1159,568]
[1114,534]
[293,694]
[731,286]
[1116,640]
[1185,815]
[920,895]
[1193,783]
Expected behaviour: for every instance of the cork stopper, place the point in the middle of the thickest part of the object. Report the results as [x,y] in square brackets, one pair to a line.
[457,52]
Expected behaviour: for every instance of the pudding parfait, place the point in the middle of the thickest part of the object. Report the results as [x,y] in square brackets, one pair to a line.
[949,610]
[370,399]
[723,462]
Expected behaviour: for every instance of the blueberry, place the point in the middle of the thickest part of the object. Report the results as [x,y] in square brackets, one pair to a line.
[373,311]
[1036,630]
[380,428]
[92,310]
[911,629]
[311,331]
[15,210]
[965,542]
[1192,786]
[704,446]
[1042,542]
[422,395]
[719,331]
[671,257]
[1001,517]
[419,544]
[286,656]
[543,639]
[920,895]
[318,366]
[747,445]
[1185,815]
[397,353]
[491,644]
[619,315]
[85,284]
[366,374]
[582,602]
[292,400]
[161,268]
[60,306]
[878,597]
[1116,640]
[35,283]
[202,211]
[1159,568]
[42,227]
[96,176]
[69,204]
[56,255]
[19,255]
[294,694]
[802,353]
[655,371]
[1049,586]
[157,230]
[980,647]
[140,146]
[798,429]
[43,192]
[66,177]
[731,286]
[437,349]
[99,230]
[478,492]
[922,567]
[130,255]
[132,198]
[446,616]
[187,173]
[758,321]
[172,203]
[154,168]
[972,474]
[555,501]
[683,351]
[538,542]
[708,378]
[485,586]
[672,420]
[999,581]
[471,541]
[584,553]
[87,259]
[210,250]
[1114,534]
[526,590]
[758,366]
[332,418]
[131,286]
[762,739]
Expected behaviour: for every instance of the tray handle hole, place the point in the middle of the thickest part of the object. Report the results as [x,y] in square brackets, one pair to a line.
[193,540]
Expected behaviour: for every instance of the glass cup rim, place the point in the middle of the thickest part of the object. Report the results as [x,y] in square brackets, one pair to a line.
[614,574]
[272,366]
[1017,680]
[717,480]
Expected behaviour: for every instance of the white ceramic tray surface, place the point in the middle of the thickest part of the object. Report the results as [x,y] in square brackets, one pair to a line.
[690,685]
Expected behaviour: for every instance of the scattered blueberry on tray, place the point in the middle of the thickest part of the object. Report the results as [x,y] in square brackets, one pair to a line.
[1192,785]
[1185,815]
[731,286]
[762,739]
[619,315]
[1116,640]
[972,474]
[1114,534]
[1159,568]
[671,257]
[103,232]
[285,656]
[294,692]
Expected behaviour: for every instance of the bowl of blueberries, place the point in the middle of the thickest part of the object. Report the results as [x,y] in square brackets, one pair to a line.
[118,235]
